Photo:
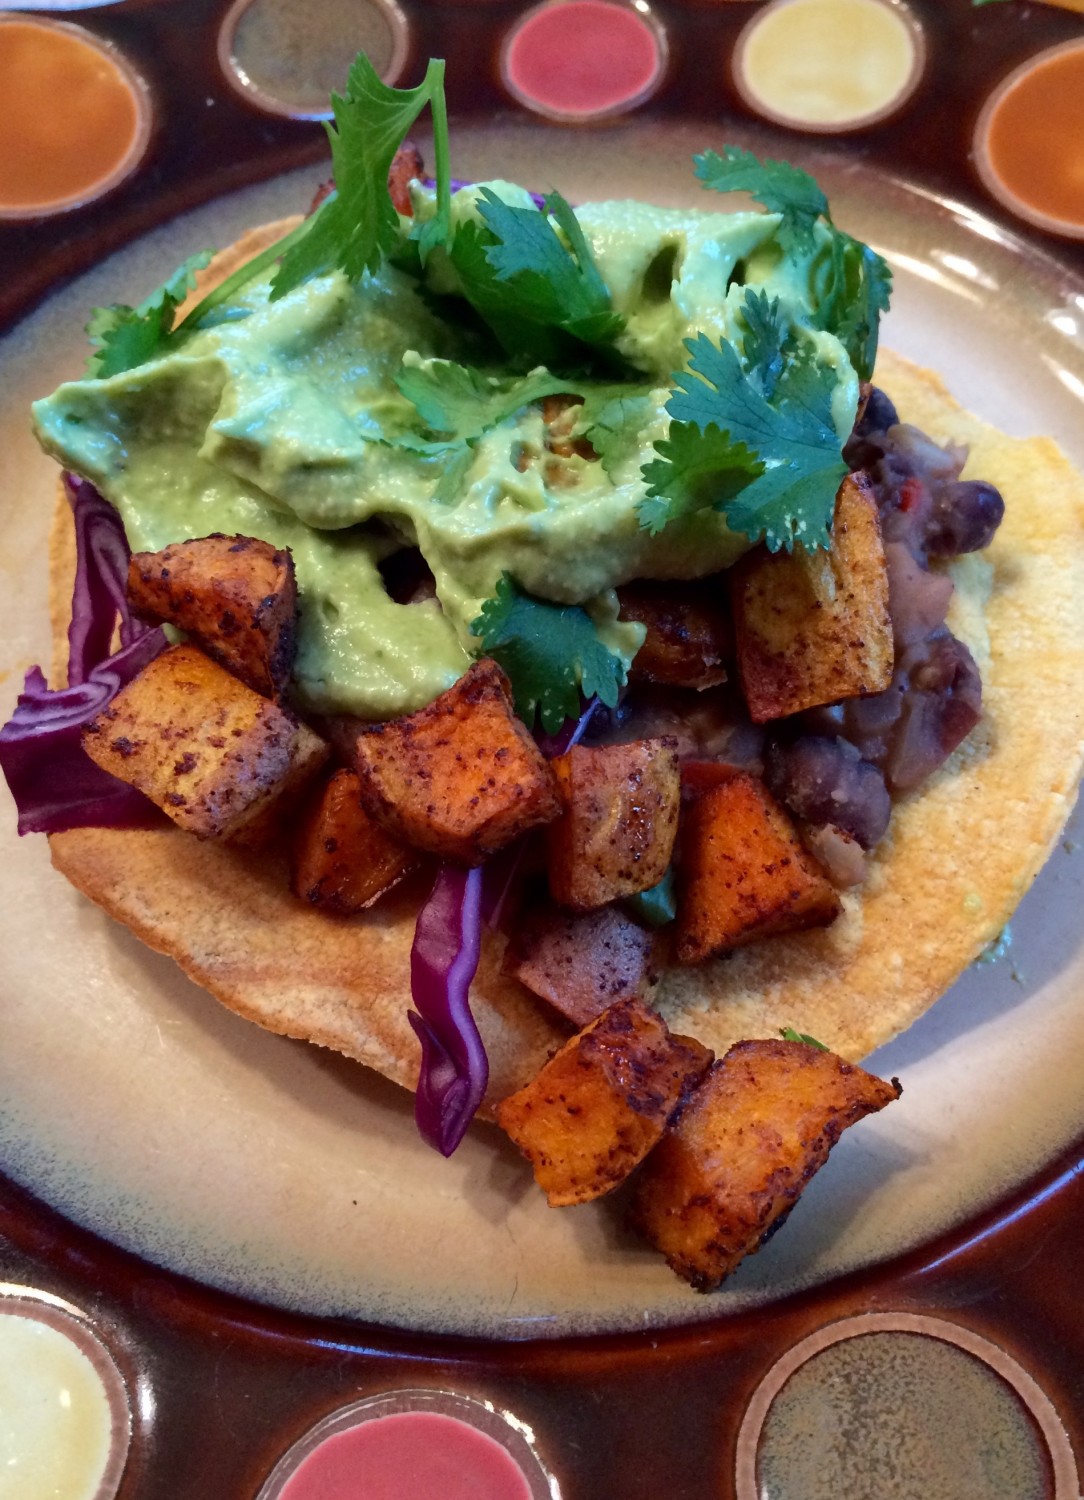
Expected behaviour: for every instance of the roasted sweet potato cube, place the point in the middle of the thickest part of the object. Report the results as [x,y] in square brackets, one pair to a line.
[235,596]
[343,860]
[689,639]
[460,778]
[616,832]
[745,873]
[583,964]
[214,755]
[599,1105]
[813,627]
[748,1141]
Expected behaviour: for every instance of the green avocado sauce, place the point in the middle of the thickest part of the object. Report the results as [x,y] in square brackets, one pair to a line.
[283,421]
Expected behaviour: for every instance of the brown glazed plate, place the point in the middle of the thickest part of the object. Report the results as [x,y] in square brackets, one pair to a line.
[251,1226]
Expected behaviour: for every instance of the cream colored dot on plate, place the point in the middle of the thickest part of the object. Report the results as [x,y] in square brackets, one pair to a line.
[56,1421]
[828,65]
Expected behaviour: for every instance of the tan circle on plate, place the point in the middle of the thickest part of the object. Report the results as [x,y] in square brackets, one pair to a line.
[992,1388]
[1029,141]
[65,1417]
[829,65]
[289,58]
[76,116]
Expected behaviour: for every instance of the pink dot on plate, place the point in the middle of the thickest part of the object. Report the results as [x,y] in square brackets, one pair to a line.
[579,59]
[413,1445]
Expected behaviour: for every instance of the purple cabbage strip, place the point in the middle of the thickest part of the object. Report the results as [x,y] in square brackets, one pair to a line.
[101,578]
[54,782]
[443,961]
[570,733]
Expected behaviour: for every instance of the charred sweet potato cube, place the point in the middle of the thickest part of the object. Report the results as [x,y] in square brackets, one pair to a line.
[235,596]
[689,639]
[616,832]
[745,873]
[748,1141]
[813,627]
[460,778]
[343,861]
[583,964]
[599,1105]
[214,755]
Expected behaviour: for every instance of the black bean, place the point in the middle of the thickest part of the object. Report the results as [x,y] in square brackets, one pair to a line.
[966,513]
[826,781]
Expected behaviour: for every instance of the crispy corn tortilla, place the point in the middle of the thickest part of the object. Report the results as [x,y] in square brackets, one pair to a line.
[959,855]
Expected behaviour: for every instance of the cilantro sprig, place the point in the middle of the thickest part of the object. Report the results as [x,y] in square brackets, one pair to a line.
[551,653]
[789,1034]
[772,467]
[457,404]
[124,336]
[853,284]
[530,275]
[780,187]
[353,230]
[357,227]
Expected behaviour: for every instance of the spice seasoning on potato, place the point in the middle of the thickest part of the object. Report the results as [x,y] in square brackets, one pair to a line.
[813,627]
[343,861]
[599,1105]
[212,753]
[461,778]
[581,964]
[745,873]
[234,595]
[689,637]
[615,836]
[748,1141]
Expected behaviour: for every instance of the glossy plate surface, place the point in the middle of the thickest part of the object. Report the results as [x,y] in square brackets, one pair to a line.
[138,1107]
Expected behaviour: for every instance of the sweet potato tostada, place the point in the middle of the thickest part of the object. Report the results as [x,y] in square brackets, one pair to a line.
[967,833]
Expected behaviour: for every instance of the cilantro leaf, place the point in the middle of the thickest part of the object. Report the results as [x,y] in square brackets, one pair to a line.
[697,469]
[528,284]
[781,188]
[789,1034]
[612,418]
[551,652]
[790,497]
[125,337]
[459,404]
[357,227]
[851,283]
[869,282]
[499,303]
[463,403]
[767,340]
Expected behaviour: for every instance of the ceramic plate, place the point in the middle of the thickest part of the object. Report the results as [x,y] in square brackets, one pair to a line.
[137,1106]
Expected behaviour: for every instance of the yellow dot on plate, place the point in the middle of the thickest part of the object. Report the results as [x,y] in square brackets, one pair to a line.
[57,1425]
[828,65]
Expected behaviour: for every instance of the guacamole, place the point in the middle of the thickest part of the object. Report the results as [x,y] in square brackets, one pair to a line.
[286,420]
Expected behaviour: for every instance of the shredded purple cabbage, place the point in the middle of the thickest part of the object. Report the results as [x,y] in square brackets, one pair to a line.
[54,782]
[443,961]
[570,733]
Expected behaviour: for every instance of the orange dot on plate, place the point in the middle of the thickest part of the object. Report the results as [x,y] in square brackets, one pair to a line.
[75,117]
[1029,143]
